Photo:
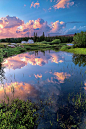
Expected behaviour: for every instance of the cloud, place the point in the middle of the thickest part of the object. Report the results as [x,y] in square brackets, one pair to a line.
[57,26]
[8,26]
[63,4]
[75,30]
[35,4]
[13,27]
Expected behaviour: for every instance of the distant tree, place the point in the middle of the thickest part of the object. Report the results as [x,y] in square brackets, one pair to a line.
[36,34]
[75,34]
[43,34]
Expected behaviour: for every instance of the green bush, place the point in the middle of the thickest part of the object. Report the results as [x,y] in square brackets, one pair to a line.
[64,47]
[56,41]
[80,39]
[18,115]
[44,42]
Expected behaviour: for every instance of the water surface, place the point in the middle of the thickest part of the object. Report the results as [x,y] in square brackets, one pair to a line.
[43,76]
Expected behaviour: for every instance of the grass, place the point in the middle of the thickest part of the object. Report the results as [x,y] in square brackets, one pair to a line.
[80,51]
[18,115]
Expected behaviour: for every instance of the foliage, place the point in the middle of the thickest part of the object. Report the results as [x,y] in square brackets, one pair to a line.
[18,114]
[80,39]
[57,41]
[65,47]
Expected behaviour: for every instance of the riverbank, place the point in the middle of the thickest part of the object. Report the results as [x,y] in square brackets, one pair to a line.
[80,51]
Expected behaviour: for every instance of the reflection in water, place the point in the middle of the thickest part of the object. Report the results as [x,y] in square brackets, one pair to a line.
[61,76]
[79,59]
[42,76]
[21,90]
[85,84]
[21,60]
[2,74]
[38,76]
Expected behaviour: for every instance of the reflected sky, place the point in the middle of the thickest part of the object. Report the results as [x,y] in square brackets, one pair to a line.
[41,75]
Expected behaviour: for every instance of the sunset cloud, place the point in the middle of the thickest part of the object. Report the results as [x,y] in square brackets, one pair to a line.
[57,26]
[63,4]
[35,4]
[13,27]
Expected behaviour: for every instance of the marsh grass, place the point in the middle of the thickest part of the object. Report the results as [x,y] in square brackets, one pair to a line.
[18,114]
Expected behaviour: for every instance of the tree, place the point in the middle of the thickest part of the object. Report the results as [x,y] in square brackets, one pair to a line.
[80,39]
[36,34]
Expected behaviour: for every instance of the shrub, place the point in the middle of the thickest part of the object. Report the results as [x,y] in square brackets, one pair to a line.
[80,39]
[44,42]
[57,41]
[64,47]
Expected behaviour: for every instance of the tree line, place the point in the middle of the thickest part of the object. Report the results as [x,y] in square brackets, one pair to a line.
[36,38]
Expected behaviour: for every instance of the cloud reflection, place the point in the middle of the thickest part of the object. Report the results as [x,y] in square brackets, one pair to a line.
[21,60]
[61,76]
[85,84]
[21,90]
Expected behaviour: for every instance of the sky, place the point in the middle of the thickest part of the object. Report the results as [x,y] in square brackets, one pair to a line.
[21,18]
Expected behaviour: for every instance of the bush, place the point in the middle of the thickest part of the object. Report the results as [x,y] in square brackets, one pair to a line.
[56,41]
[44,42]
[80,39]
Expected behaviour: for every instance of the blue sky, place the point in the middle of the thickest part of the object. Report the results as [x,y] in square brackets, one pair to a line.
[60,17]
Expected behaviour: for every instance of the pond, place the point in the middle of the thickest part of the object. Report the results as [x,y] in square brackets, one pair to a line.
[43,76]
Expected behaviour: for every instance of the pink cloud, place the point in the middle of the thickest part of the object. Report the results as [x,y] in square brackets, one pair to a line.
[12,27]
[34,4]
[57,26]
[63,4]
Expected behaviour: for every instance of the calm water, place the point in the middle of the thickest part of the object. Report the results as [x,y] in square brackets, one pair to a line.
[43,76]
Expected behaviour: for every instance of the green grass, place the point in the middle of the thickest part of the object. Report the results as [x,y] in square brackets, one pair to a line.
[18,115]
[77,50]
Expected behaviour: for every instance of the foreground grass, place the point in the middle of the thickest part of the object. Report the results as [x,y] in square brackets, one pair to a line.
[18,115]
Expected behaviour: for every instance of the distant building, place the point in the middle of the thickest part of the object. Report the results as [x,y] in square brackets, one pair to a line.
[30,41]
